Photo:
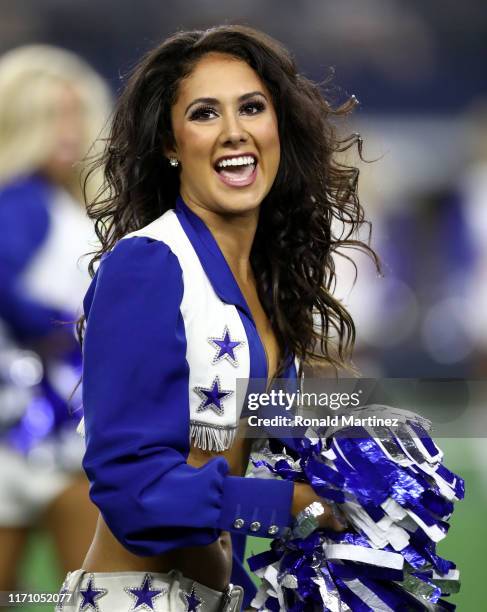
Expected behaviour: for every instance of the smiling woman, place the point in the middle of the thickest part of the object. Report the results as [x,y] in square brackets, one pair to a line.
[227,141]
[216,255]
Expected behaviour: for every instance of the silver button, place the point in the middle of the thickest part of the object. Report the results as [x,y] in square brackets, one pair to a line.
[255,526]
[238,523]
[273,529]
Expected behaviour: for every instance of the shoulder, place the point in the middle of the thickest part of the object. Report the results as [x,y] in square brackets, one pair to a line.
[148,260]
[162,239]
[139,259]
[136,266]
[168,230]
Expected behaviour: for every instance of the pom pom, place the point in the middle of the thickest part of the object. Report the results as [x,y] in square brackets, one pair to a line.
[397,497]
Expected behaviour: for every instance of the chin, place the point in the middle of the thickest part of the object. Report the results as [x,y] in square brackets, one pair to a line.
[239,203]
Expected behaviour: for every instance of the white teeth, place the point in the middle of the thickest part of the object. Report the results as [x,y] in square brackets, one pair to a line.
[243,160]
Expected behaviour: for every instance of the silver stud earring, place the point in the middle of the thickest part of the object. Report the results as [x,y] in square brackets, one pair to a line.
[174,162]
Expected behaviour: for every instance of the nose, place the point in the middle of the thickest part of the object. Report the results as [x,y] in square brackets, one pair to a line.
[233,132]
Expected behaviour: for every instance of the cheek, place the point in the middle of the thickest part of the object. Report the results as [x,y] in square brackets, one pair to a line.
[269,136]
[195,144]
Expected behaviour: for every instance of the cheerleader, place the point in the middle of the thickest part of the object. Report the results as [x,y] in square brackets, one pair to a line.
[51,107]
[222,181]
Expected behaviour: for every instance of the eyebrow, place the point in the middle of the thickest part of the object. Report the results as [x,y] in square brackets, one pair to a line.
[216,101]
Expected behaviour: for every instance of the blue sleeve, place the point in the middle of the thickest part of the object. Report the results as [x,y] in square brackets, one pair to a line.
[136,406]
[24,223]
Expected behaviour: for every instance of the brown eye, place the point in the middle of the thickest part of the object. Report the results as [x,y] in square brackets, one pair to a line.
[202,113]
[252,108]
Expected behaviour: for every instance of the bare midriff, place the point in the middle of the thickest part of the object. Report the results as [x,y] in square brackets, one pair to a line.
[210,565]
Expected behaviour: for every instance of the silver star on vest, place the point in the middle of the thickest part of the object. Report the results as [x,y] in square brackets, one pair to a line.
[91,595]
[225,347]
[212,397]
[144,595]
[192,601]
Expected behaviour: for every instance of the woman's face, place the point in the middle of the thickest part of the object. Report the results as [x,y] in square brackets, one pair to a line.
[67,127]
[226,136]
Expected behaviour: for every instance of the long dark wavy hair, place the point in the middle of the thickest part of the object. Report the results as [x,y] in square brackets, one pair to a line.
[311,211]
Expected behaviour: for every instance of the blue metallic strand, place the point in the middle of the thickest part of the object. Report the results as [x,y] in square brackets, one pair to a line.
[378,482]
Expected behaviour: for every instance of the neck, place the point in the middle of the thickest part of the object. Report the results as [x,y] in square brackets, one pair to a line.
[234,235]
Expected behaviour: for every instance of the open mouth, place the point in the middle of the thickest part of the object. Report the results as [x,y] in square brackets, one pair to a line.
[237,170]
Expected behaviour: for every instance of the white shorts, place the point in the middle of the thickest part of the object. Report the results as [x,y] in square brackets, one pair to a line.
[27,488]
[126,591]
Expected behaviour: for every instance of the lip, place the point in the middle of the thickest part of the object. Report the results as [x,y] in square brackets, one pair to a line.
[236,182]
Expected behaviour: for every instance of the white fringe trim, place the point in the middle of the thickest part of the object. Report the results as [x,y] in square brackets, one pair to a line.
[206,437]
[209,437]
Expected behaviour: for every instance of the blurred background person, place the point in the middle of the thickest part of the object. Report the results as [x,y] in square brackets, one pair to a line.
[52,108]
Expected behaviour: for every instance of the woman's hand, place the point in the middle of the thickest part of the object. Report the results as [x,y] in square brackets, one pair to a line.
[304,495]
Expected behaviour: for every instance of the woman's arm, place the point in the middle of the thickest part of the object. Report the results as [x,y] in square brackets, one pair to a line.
[135,395]
[24,224]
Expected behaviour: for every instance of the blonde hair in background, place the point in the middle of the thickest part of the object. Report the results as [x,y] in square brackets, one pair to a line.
[29,79]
